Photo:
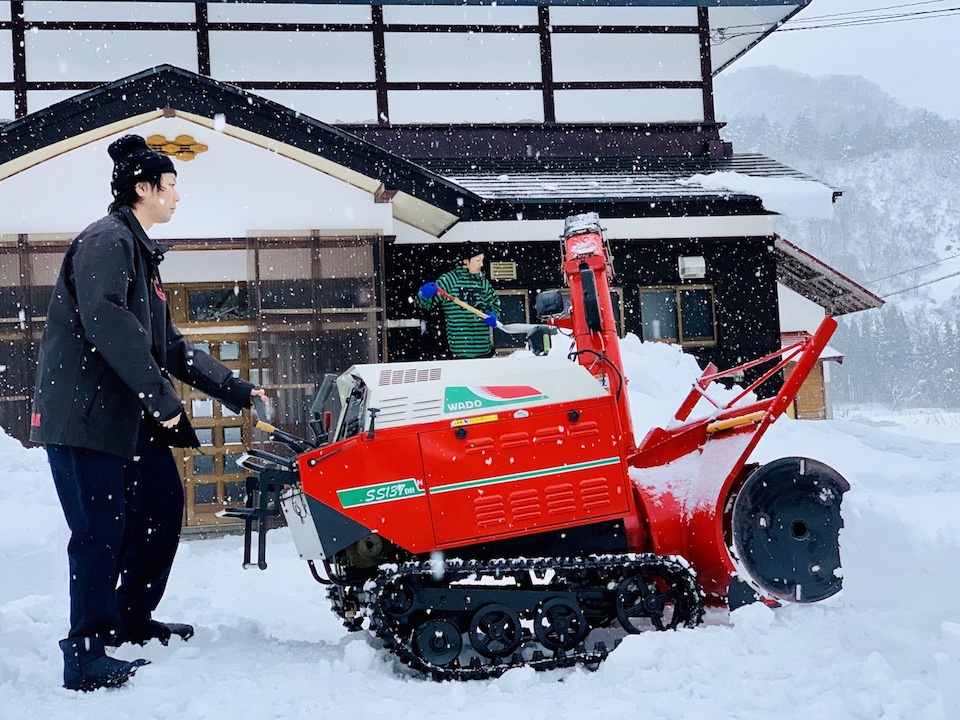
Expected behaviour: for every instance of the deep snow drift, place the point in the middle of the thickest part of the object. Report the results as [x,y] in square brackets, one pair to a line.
[267,646]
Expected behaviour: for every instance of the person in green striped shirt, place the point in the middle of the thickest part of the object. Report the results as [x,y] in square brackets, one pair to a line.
[468,335]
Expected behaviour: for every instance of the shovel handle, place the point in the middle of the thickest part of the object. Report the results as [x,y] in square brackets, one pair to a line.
[513,328]
[457,301]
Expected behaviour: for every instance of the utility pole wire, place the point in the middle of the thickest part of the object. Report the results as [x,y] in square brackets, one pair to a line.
[856,13]
[837,21]
[924,284]
[910,270]
[879,20]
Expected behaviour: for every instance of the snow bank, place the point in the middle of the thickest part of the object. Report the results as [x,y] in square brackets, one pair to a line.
[791,197]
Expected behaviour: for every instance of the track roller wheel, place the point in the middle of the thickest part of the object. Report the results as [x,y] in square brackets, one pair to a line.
[655,598]
[495,631]
[398,600]
[437,642]
[560,624]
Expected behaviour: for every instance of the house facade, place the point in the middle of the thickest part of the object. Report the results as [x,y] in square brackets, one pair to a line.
[332,156]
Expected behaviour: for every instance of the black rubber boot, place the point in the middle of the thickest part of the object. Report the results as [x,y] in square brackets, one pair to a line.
[87,667]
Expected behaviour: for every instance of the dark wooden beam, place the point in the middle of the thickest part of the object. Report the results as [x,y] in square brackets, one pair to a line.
[380,65]
[546,65]
[706,64]
[203,40]
[19,59]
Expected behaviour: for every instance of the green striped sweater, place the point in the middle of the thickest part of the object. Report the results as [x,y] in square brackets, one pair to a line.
[467,335]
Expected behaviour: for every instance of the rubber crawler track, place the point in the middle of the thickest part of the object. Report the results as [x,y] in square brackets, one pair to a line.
[598,579]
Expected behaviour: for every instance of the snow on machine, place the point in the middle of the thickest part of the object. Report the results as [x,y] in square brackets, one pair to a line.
[480,515]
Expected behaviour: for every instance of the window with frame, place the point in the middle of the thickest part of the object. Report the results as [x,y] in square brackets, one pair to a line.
[684,314]
[218,304]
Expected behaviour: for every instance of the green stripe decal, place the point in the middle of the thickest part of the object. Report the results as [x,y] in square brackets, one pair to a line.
[483,482]
[379,493]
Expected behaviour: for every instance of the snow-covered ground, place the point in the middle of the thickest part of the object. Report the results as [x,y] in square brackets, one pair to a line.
[267,646]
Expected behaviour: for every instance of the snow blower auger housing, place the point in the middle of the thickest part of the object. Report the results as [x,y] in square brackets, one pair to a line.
[479,515]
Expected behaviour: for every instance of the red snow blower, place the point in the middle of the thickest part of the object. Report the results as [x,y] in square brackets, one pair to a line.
[481,515]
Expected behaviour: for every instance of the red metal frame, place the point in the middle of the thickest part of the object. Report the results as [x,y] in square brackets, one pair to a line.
[597,350]
[680,466]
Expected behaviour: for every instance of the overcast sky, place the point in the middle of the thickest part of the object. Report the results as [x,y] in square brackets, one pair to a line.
[916,61]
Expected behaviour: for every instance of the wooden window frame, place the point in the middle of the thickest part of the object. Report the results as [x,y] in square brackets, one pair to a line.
[180,304]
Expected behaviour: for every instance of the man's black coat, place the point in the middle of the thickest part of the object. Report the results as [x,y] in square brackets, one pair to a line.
[109,345]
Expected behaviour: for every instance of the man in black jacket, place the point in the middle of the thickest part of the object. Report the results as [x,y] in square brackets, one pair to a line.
[108,413]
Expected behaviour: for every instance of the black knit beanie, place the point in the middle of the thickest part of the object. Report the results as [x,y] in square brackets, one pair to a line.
[134,161]
[471,250]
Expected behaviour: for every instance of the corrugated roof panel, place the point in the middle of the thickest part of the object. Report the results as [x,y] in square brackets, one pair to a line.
[611,178]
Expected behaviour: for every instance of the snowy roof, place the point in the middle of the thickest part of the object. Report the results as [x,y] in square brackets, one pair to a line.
[815,280]
[651,187]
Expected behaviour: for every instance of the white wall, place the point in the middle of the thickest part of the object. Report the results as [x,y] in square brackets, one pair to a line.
[190,266]
[228,191]
[796,312]
[346,54]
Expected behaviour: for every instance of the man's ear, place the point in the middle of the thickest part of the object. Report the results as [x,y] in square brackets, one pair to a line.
[142,188]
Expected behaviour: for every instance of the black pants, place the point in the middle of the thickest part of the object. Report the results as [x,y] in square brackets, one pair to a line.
[124,519]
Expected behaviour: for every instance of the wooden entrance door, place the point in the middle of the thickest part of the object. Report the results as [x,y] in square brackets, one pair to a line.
[214,317]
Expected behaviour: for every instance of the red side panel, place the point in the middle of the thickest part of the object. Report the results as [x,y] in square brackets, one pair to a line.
[378,483]
[525,472]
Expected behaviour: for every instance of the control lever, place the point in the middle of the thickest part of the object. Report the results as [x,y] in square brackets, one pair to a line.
[259,460]
[298,445]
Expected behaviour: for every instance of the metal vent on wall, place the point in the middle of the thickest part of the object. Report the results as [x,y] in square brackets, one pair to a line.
[412,375]
[692,267]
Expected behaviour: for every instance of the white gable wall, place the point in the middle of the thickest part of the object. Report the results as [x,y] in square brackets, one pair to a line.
[229,191]
[797,313]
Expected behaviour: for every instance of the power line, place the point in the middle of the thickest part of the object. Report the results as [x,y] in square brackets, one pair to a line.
[858,15]
[868,10]
[923,284]
[879,20]
[918,267]
[848,19]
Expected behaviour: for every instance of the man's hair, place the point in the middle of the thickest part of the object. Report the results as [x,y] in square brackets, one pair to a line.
[134,161]
[128,196]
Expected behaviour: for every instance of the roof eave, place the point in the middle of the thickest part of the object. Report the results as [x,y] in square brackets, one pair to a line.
[802,6]
[815,280]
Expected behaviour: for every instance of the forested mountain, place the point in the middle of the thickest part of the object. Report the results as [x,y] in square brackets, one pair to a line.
[895,229]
